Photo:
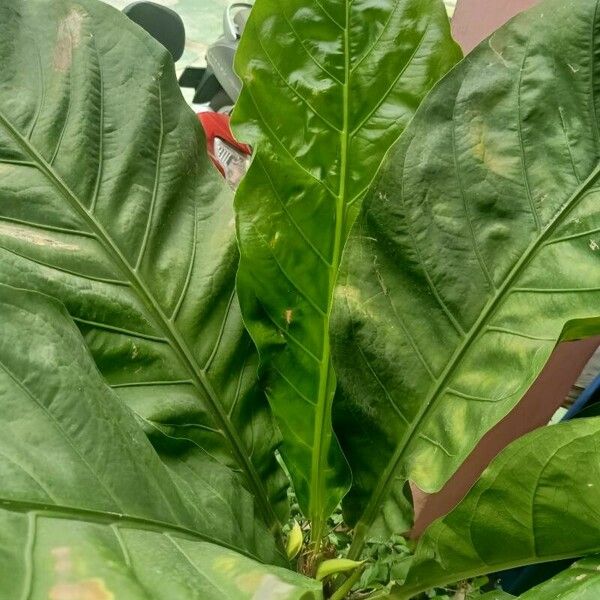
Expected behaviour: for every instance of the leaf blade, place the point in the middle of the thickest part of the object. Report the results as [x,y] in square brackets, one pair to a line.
[109,206]
[319,133]
[534,527]
[73,461]
[457,263]
[580,580]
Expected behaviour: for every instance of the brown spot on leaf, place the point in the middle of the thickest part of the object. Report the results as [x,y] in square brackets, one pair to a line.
[32,236]
[68,38]
[62,560]
[487,152]
[88,589]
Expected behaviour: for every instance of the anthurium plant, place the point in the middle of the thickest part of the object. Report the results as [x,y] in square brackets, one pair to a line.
[414,236]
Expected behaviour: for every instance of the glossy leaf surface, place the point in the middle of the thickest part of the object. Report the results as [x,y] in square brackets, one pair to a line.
[328,86]
[109,203]
[536,502]
[477,250]
[87,508]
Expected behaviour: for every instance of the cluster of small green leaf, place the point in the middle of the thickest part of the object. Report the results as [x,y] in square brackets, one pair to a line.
[414,235]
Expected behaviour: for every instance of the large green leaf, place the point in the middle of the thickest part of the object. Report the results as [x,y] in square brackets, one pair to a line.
[536,502]
[328,86]
[87,508]
[109,203]
[581,581]
[477,251]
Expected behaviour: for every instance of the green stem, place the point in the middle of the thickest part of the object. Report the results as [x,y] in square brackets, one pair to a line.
[345,588]
[358,540]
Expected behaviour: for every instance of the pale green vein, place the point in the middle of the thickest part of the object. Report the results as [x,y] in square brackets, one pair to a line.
[154,198]
[372,47]
[15,161]
[477,329]
[466,208]
[521,334]
[28,550]
[151,383]
[432,286]
[294,91]
[274,138]
[122,546]
[286,333]
[238,387]
[283,271]
[120,330]
[64,124]
[290,217]
[409,336]
[72,272]
[328,14]
[292,386]
[74,513]
[188,276]
[436,444]
[534,210]
[224,319]
[568,290]
[384,96]
[568,143]
[389,397]
[174,336]
[308,52]
[100,132]
[29,474]
[574,236]
[47,227]
[204,574]
[63,433]
[42,89]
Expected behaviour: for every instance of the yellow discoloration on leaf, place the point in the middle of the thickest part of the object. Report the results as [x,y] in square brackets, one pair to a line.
[275,239]
[351,293]
[225,564]
[6,168]
[33,236]
[264,587]
[68,38]
[249,582]
[62,560]
[495,162]
[88,589]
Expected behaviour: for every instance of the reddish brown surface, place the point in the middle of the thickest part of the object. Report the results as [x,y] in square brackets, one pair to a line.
[473,21]
[535,410]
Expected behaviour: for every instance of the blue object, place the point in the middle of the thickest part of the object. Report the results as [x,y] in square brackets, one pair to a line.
[589,396]
[519,580]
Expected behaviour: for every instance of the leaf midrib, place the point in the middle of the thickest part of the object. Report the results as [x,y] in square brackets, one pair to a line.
[323,405]
[75,513]
[175,340]
[388,475]
[405,592]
